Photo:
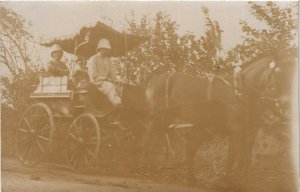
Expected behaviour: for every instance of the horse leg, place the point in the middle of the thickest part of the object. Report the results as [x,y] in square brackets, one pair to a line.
[231,154]
[246,160]
[191,149]
[147,140]
[235,153]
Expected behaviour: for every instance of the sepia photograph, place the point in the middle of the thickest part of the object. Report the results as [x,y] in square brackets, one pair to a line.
[149,96]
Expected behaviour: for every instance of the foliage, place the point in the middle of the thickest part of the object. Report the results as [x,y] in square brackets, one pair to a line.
[14,41]
[165,49]
[279,33]
[17,92]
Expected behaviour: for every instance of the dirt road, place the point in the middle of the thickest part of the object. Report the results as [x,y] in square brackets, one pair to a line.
[57,178]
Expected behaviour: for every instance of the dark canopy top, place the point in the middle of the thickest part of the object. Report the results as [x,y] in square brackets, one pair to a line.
[85,42]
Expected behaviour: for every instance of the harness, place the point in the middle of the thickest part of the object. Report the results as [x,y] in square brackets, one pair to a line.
[167,91]
[210,84]
[209,90]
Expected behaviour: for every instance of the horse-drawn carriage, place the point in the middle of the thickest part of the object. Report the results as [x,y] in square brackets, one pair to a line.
[209,106]
[90,127]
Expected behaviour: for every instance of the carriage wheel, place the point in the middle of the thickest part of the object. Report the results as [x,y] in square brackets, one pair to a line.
[33,134]
[83,141]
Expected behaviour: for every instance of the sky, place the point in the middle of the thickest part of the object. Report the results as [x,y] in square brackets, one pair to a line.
[52,19]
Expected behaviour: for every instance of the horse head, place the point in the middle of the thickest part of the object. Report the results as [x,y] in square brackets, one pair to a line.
[271,79]
[284,73]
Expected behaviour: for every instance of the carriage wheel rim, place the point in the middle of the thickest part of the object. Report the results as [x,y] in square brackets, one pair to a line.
[33,135]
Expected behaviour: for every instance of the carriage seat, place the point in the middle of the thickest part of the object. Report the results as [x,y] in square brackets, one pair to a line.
[52,87]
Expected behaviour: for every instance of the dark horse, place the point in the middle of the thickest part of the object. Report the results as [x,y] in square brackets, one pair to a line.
[212,106]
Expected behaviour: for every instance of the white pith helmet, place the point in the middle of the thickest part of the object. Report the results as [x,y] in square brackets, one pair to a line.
[56,48]
[103,44]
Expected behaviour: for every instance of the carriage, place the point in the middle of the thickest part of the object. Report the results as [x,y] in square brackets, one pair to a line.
[64,112]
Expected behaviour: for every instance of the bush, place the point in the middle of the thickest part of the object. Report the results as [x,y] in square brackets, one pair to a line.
[16,98]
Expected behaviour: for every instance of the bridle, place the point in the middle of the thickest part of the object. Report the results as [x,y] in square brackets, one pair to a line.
[267,93]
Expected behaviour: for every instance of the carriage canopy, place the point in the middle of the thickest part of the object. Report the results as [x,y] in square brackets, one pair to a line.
[85,42]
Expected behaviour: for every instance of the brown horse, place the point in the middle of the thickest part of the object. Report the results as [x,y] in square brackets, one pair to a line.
[209,104]
[212,106]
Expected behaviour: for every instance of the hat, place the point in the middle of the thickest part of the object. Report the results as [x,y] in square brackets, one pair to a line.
[103,44]
[56,48]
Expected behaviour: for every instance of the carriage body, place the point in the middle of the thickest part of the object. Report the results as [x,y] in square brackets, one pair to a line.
[55,93]
[65,97]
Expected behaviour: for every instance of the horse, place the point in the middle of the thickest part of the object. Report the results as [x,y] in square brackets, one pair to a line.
[209,104]
[212,106]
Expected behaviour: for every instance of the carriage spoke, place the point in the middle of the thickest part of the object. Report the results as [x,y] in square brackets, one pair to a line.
[89,132]
[24,146]
[23,139]
[73,137]
[77,130]
[77,160]
[85,159]
[82,159]
[40,146]
[73,157]
[27,123]
[90,152]
[43,131]
[39,154]
[29,145]
[43,138]
[92,139]
[72,153]
[42,120]
[34,117]
[29,154]
[23,130]
[33,152]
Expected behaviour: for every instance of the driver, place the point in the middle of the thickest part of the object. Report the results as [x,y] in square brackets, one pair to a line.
[102,72]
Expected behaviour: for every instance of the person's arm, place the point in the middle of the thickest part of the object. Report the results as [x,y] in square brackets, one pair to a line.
[57,69]
[113,75]
[50,68]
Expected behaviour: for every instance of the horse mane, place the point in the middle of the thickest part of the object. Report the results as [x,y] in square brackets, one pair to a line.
[249,64]
[257,64]
[276,55]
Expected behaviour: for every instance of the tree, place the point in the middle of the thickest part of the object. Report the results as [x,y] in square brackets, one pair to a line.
[280,32]
[211,44]
[14,41]
[165,48]
[160,49]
